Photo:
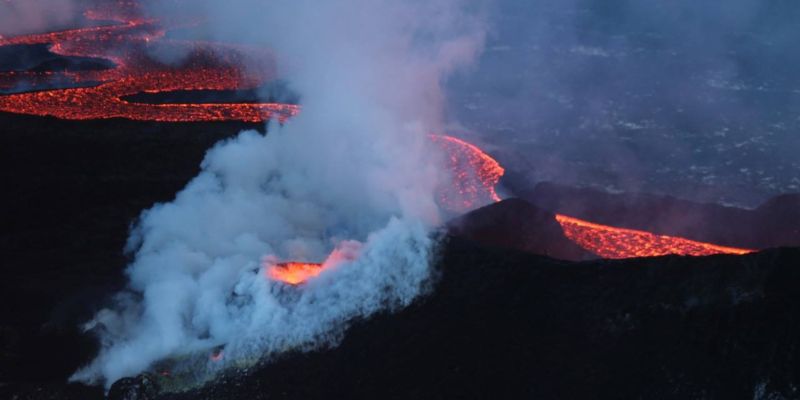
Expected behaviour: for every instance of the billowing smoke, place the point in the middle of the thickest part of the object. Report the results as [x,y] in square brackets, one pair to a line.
[354,172]
[19,17]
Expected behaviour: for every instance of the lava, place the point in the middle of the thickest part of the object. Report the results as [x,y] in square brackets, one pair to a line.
[475,175]
[127,42]
[612,242]
[294,272]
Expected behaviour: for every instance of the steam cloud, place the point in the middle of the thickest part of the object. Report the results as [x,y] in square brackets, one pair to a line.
[353,172]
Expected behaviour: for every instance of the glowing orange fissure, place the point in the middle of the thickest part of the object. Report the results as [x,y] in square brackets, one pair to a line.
[612,242]
[294,272]
[475,174]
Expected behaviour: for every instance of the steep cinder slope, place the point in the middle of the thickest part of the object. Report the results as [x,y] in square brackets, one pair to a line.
[517,224]
[503,324]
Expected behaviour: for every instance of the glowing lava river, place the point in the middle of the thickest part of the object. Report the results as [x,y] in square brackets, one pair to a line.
[611,242]
[128,41]
[121,36]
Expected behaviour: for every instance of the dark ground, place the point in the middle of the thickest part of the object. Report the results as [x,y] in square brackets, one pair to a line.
[500,323]
[70,191]
[503,324]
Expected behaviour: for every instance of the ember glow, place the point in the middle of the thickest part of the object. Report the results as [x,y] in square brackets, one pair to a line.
[611,242]
[297,272]
[125,41]
[475,175]
[293,272]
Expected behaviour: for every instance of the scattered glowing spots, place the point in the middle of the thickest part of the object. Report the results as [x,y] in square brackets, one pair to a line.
[610,242]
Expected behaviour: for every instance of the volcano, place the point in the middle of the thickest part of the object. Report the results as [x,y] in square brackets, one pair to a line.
[540,291]
[510,324]
[293,272]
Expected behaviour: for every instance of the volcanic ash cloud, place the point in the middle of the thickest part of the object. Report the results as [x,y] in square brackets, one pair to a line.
[354,174]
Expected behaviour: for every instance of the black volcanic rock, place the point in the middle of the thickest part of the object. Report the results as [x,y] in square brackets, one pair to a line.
[775,223]
[499,323]
[504,324]
[39,58]
[517,224]
[141,387]
[70,191]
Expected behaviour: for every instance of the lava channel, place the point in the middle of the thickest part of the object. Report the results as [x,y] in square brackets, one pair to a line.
[128,42]
[612,242]
[474,175]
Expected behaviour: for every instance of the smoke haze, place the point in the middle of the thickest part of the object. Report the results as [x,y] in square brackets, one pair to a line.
[354,172]
[19,17]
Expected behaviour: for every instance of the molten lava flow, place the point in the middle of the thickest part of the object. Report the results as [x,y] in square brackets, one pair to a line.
[610,242]
[475,175]
[294,273]
[127,42]
[104,101]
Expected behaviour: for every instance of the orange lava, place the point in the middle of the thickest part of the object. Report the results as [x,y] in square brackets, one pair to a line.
[611,242]
[127,41]
[294,273]
[475,175]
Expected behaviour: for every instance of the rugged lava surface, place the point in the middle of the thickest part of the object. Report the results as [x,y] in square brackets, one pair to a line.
[775,223]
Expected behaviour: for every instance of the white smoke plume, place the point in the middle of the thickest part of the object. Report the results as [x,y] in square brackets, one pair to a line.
[354,171]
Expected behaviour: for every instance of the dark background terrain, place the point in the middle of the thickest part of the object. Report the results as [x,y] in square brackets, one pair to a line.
[697,100]
[70,192]
[500,323]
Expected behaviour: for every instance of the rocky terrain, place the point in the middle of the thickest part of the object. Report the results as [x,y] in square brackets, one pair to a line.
[499,323]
